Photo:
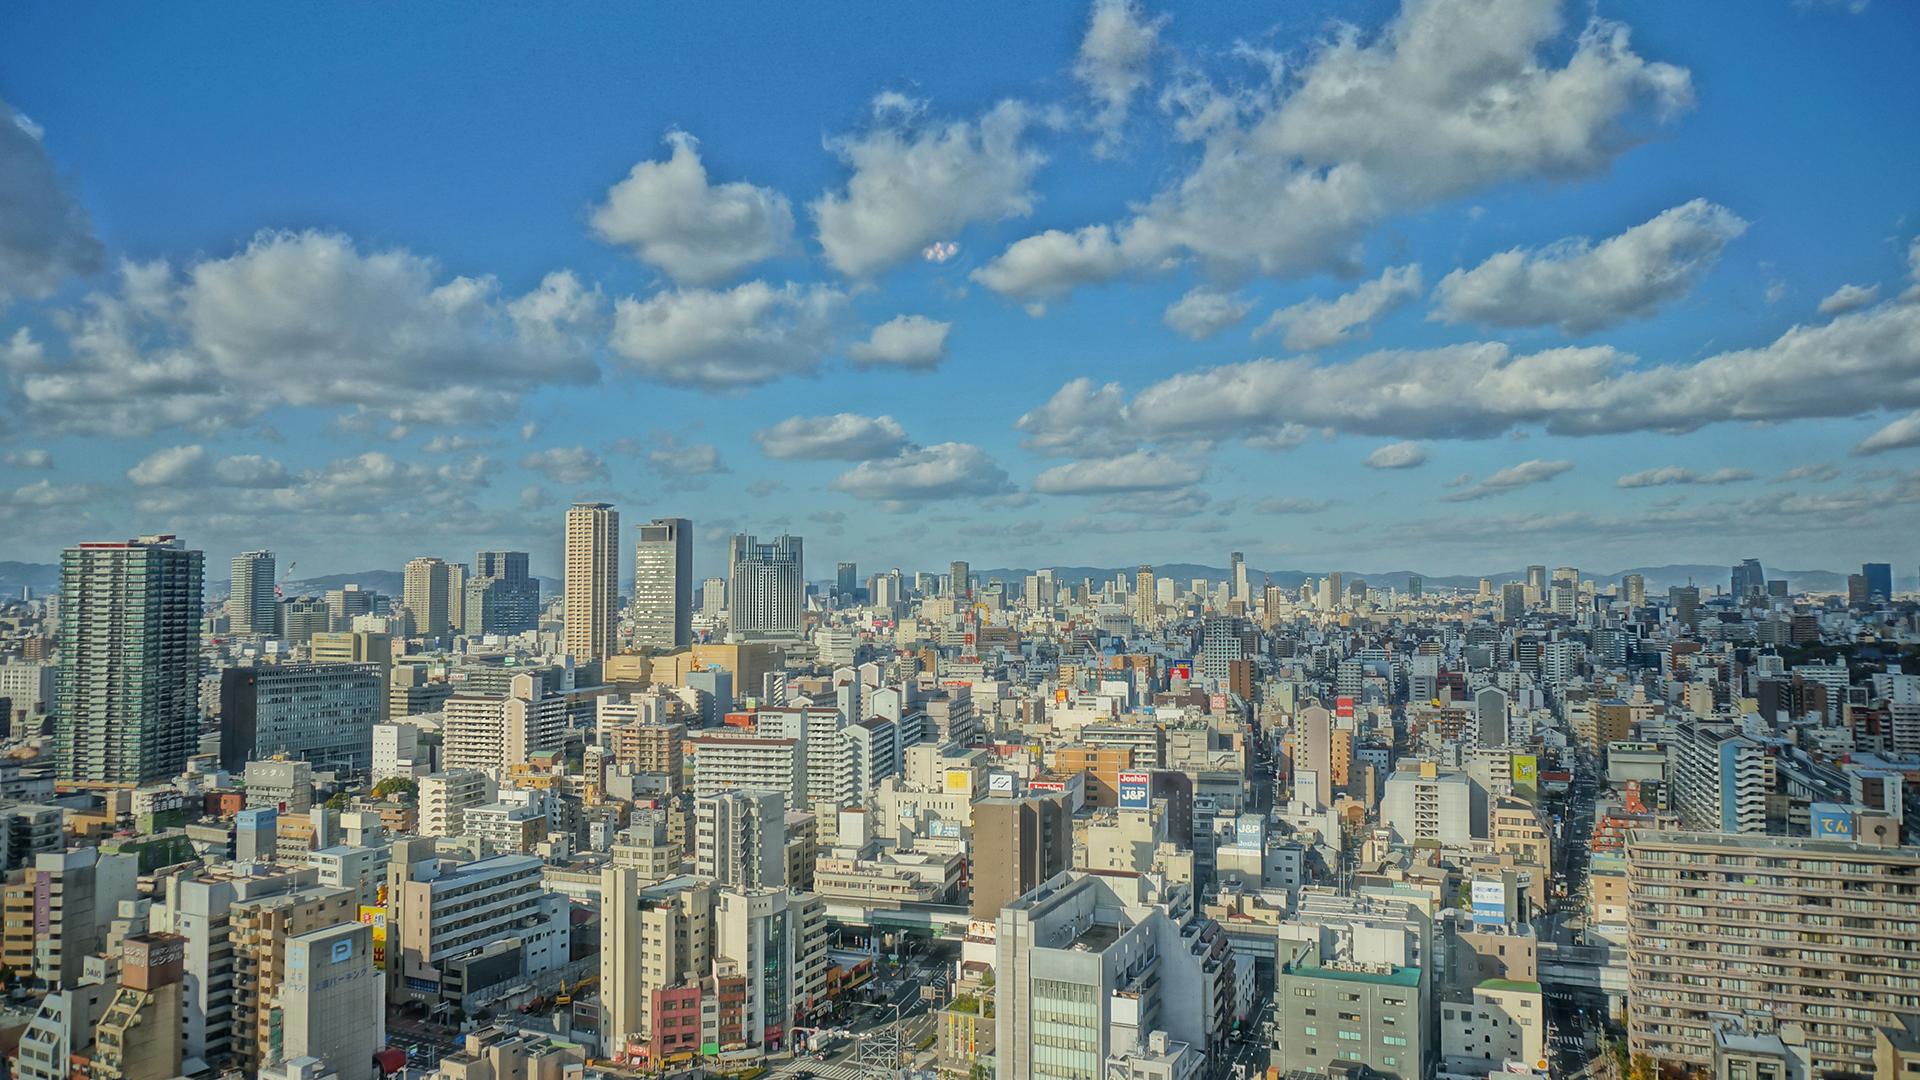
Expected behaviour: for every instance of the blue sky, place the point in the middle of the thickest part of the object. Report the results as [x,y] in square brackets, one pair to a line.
[359,283]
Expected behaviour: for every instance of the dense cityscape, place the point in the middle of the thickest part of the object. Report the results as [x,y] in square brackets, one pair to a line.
[1120,540]
[1010,824]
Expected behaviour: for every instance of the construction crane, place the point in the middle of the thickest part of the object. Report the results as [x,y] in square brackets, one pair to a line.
[280,587]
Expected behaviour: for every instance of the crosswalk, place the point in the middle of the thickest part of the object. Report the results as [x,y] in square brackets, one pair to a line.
[820,1069]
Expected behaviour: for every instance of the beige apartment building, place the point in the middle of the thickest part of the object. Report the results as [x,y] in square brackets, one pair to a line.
[593,580]
[1823,934]
[260,931]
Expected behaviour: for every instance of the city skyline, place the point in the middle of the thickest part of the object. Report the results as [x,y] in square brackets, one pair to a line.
[1615,333]
[1330,539]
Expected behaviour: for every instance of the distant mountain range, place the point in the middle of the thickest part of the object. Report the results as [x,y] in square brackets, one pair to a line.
[1659,578]
[384,582]
[40,577]
[45,578]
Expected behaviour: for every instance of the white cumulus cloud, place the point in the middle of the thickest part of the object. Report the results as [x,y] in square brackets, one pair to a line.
[1141,470]
[840,437]
[942,471]
[1204,312]
[306,319]
[1849,298]
[1114,61]
[1054,263]
[1400,455]
[1897,435]
[1316,323]
[727,339]
[1082,417]
[698,232]
[1293,504]
[1667,475]
[1864,361]
[27,459]
[566,464]
[914,183]
[45,235]
[1452,96]
[1581,286]
[1511,478]
[906,341]
[193,466]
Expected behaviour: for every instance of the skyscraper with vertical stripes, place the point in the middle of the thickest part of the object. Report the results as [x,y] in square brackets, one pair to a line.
[128,696]
[252,608]
[663,585]
[593,580]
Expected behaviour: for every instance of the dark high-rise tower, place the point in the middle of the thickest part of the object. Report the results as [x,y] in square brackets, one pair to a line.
[129,689]
[768,591]
[663,585]
[1879,577]
[501,597]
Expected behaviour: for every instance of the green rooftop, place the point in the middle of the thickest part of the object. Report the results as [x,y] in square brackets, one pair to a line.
[1399,976]
[1509,986]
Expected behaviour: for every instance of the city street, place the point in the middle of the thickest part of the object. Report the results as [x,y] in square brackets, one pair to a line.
[1249,1056]
[425,1042]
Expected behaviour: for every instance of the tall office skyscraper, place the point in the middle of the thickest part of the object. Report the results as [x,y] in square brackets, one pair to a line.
[456,574]
[847,579]
[713,595]
[252,609]
[1143,599]
[1241,591]
[1634,586]
[1749,582]
[767,595]
[663,585]
[1513,601]
[1536,584]
[129,688]
[1879,577]
[1686,604]
[593,579]
[501,597]
[961,575]
[424,590]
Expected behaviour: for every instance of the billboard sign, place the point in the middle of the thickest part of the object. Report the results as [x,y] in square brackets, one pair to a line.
[1135,790]
[377,918]
[1343,706]
[1831,821]
[1247,831]
[1489,900]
